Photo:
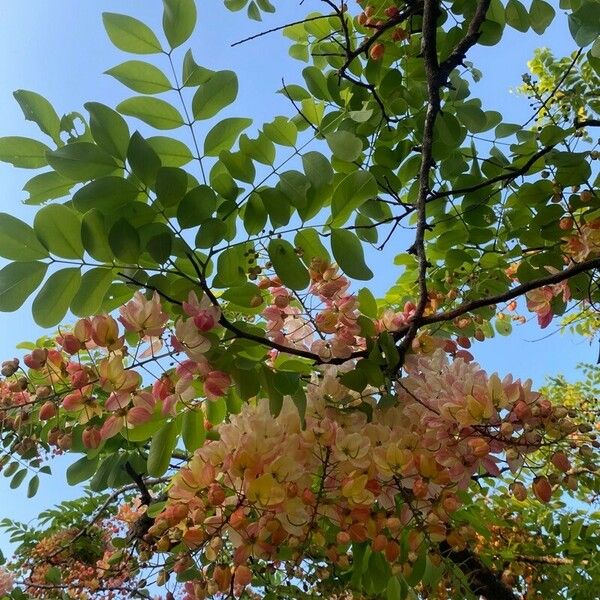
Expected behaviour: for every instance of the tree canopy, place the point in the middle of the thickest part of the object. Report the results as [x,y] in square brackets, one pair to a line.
[248,419]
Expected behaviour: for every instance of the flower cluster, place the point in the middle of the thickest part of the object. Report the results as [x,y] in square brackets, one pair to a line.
[343,478]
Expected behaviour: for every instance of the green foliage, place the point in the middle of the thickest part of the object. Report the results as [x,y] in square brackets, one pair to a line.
[368,156]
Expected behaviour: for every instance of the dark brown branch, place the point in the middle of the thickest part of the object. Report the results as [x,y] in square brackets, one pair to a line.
[482,580]
[459,53]
[515,292]
[430,59]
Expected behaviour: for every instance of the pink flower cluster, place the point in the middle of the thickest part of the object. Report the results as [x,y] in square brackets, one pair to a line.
[270,483]
[334,331]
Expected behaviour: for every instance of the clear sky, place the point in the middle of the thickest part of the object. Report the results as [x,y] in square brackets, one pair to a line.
[60,50]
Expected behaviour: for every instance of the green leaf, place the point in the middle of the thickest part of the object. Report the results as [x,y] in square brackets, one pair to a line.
[53,300]
[144,161]
[141,76]
[46,186]
[214,95]
[309,242]
[355,189]
[124,241]
[18,281]
[18,479]
[224,135]
[541,14]
[160,247]
[255,215]
[216,410]
[367,303]
[179,20]
[58,227]
[238,165]
[109,129]
[81,161]
[153,111]
[192,430]
[161,449]
[130,35]
[349,255]
[281,131]
[23,152]
[288,265]
[211,232]
[94,236]
[18,240]
[517,16]
[193,74]
[171,185]
[107,194]
[584,23]
[82,470]
[37,109]
[318,169]
[197,205]
[261,149]
[230,267]
[93,288]
[33,486]
[171,152]
[344,145]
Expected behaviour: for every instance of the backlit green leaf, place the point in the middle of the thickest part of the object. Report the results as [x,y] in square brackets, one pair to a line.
[47,186]
[130,35]
[355,189]
[18,240]
[53,300]
[153,111]
[349,255]
[224,135]
[124,241]
[37,109]
[179,20]
[58,227]
[161,449]
[23,152]
[93,287]
[141,76]
[287,265]
[18,281]
[214,95]
[81,161]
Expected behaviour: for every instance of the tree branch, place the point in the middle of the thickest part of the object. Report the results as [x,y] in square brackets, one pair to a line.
[482,580]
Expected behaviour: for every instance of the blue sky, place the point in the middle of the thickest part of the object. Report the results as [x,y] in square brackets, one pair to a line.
[60,50]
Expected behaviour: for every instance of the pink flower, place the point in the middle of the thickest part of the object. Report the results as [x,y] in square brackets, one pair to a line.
[105,332]
[146,317]
[7,581]
[216,384]
[539,302]
[189,340]
[204,313]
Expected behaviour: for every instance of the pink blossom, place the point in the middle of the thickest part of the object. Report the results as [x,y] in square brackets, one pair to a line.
[189,340]
[216,384]
[143,316]
[7,581]
[204,313]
